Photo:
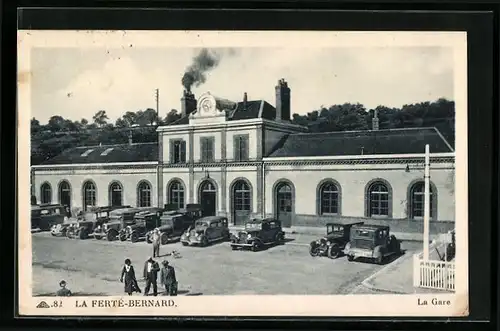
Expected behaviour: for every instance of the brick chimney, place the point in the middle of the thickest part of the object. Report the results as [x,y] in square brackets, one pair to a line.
[282,101]
[245,99]
[375,120]
[188,103]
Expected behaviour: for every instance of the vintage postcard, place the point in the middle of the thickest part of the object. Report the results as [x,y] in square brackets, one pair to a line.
[242,173]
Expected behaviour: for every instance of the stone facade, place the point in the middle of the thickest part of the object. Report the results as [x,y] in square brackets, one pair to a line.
[240,168]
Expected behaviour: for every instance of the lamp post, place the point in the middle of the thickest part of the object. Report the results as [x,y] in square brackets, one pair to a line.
[426,202]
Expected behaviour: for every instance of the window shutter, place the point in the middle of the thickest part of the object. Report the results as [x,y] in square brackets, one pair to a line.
[236,148]
[203,149]
[183,151]
[244,147]
[211,147]
[171,151]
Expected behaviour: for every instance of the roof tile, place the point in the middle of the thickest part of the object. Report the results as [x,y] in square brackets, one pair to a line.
[394,141]
[142,152]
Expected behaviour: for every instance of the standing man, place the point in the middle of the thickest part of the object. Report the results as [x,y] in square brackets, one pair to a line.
[167,279]
[156,242]
[151,269]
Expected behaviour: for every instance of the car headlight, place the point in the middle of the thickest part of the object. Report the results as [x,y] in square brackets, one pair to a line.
[105,226]
[328,243]
[249,236]
[98,227]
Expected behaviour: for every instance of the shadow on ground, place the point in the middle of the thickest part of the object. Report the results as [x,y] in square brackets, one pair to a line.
[386,260]
[75,294]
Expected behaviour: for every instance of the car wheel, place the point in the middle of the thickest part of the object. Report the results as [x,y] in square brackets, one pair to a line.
[333,252]
[379,259]
[111,235]
[83,234]
[164,239]
[148,240]
[350,258]
[122,237]
[204,242]
[97,237]
[255,247]
[185,244]
[69,234]
[280,239]
[134,237]
[313,249]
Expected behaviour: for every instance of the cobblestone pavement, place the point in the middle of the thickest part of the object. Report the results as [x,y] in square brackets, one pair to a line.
[92,267]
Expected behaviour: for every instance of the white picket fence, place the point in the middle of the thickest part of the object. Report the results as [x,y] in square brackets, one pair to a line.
[433,273]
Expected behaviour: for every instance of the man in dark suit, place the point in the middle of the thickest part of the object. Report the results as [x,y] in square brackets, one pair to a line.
[168,279]
[151,269]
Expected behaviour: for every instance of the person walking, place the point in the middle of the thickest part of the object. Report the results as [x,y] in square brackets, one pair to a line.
[156,242]
[151,269]
[128,274]
[168,279]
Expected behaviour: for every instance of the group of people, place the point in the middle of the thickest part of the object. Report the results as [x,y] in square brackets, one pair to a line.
[150,274]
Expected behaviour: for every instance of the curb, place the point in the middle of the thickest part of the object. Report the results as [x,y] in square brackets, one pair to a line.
[367,282]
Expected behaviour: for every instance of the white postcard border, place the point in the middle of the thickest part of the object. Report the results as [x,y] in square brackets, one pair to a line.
[238,305]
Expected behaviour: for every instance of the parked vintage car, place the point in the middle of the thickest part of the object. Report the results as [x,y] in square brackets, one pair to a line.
[118,219]
[44,216]
[172,226]
[333,244]
[373,242]
[206,230]
[145,221]
[258,233]
[61,229]
[91,221]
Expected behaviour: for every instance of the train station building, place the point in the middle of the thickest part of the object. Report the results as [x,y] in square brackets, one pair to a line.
[245,158]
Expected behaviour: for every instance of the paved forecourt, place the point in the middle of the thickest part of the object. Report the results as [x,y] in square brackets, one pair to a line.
[92,267]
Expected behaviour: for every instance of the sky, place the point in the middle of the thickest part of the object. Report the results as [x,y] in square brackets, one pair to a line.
[76,82]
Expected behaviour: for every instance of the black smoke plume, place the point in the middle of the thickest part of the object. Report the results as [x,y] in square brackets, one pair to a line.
[202,63]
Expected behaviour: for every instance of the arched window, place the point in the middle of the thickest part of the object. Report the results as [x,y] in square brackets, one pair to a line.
[417,198]
[176,194]
[241,196]
[89,195]
[115,194]
[144,194]
[378,195]
[329,199]
[45,193]
[65,194]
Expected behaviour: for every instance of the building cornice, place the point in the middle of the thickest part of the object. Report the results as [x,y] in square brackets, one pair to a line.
[359,157]
[93,166]
[367,160]
[356,161]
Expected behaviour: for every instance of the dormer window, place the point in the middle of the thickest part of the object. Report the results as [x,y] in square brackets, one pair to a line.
[107,151]
[87,152]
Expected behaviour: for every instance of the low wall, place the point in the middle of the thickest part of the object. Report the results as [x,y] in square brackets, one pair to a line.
[396,225]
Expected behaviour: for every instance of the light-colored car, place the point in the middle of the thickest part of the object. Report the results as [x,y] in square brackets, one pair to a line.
[206,230]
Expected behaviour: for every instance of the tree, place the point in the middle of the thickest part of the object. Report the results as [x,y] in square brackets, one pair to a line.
[129,118]
[172,116]
[100,118]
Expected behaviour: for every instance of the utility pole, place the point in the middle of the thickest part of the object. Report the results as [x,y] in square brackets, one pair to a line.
[426,202]
[157,98]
